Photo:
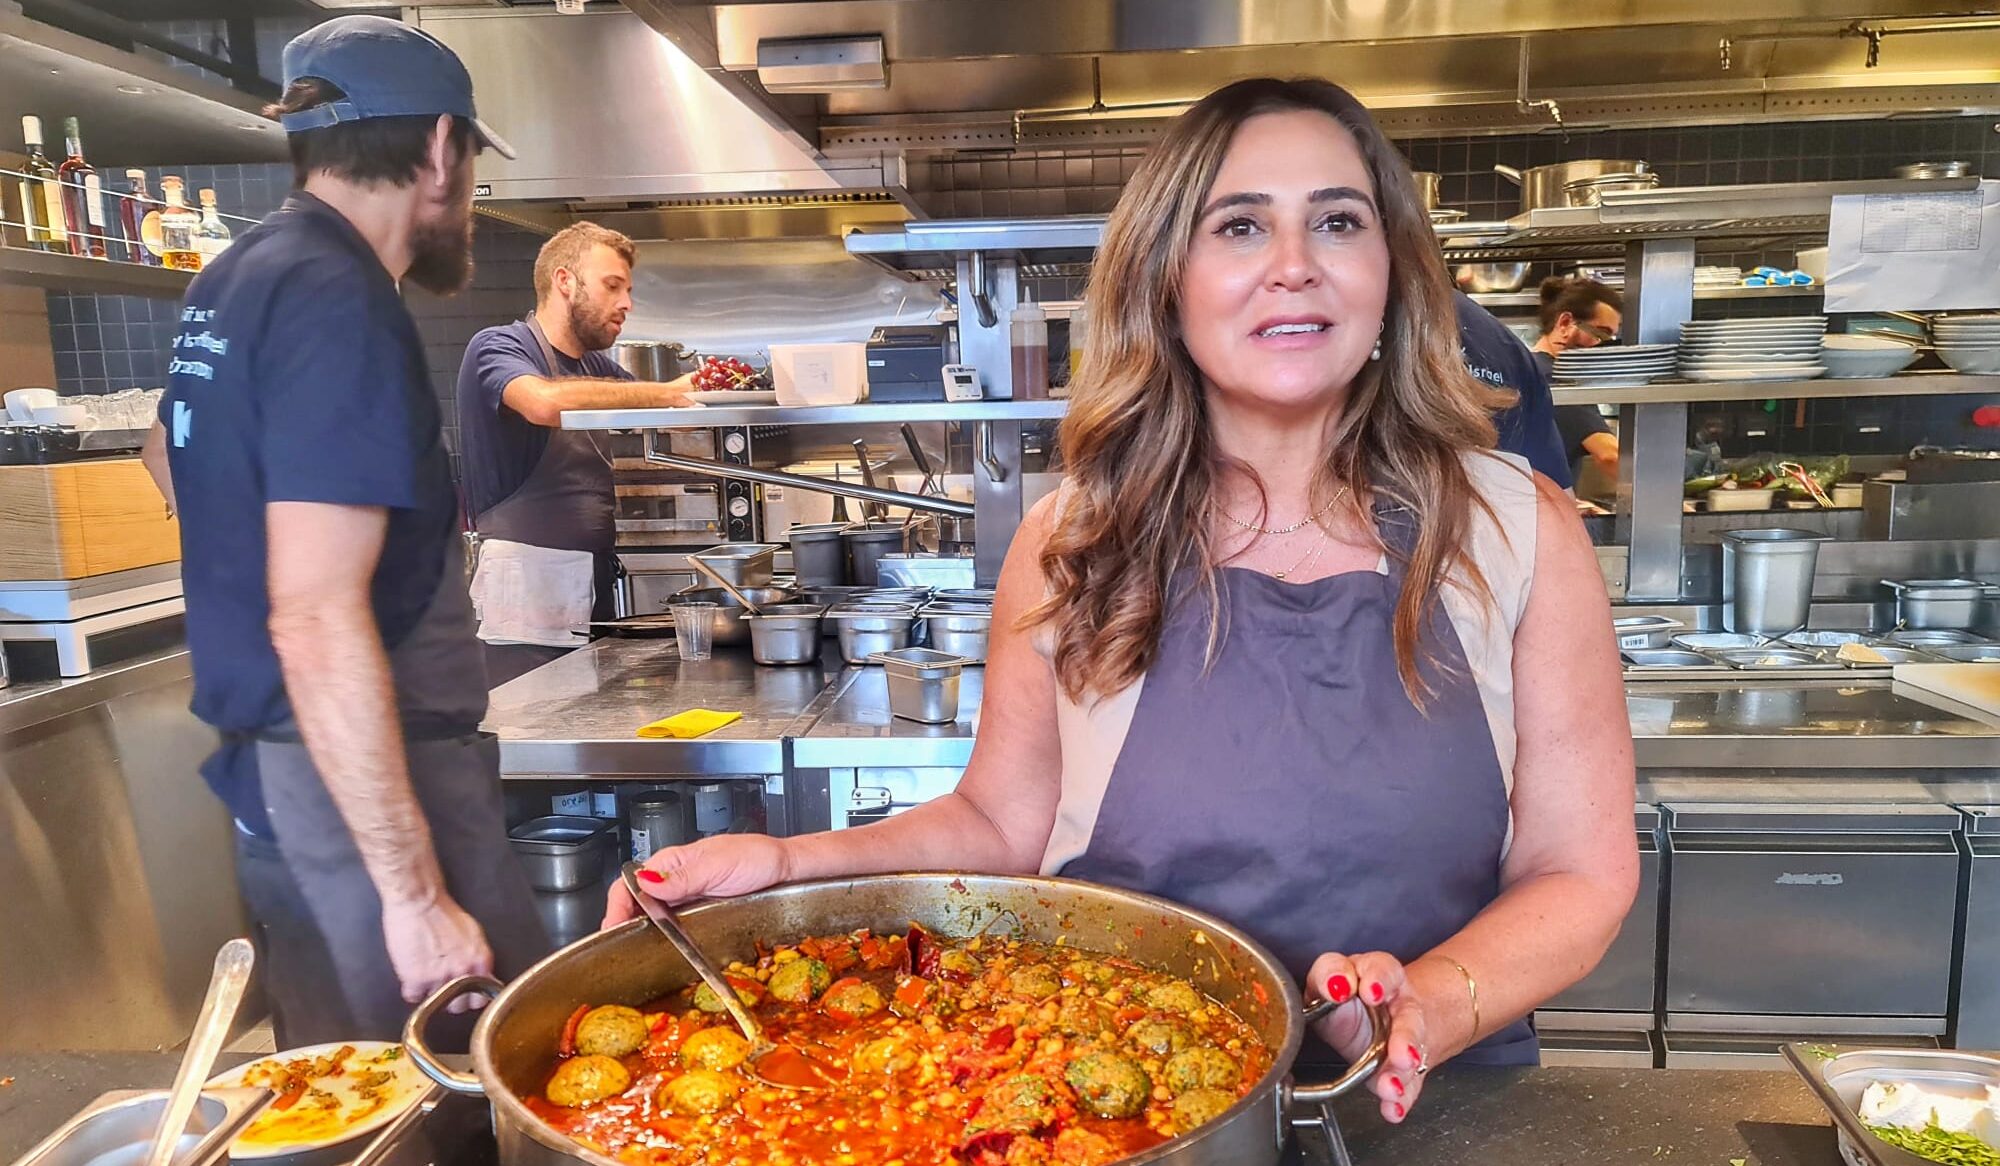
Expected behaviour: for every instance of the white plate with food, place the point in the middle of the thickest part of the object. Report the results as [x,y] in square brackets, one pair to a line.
[327,1094]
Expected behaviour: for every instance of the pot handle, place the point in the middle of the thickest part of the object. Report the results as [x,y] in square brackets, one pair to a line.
[420,1050]
[391,1135]
[1364,1066]
[1508,172]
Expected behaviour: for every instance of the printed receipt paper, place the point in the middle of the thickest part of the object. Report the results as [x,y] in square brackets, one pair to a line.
[1914,252]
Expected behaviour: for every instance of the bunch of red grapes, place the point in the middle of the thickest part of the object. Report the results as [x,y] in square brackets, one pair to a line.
[723,372]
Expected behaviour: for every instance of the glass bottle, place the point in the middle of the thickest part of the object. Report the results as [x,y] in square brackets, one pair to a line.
[177,227]
[211,238]
[132,211]
[83,200]
[41,197]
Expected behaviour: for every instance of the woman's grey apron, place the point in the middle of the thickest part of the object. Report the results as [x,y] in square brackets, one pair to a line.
[1294,790]
[455,771]
[566,503]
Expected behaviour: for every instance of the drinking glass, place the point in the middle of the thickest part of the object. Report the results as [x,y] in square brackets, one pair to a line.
[694,628]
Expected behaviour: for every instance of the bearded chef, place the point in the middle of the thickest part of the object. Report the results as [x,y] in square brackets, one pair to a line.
[541,497]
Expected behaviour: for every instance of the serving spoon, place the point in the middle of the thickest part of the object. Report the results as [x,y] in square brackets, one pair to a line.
[771,1064]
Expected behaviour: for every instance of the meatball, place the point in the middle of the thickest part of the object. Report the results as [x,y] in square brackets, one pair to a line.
[1159,1037]
[582,1080]
[1083,1016]
[1034,981]
[1200,1106]
[800,981]
[852,999]
[1203,1067]
[959,962]
[1109,1085]
[1020,1104]
[1089,974]
[884,1055]
[706,999]
[611,1031]
[1174,996]
[720,1049]
[698,1091]
[1080,1147]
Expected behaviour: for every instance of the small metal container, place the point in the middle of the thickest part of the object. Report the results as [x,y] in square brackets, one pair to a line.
[1774,659]
[819,558]
[1938,603]
[866,629]
[865,545]
[743,564]
[967,595]
[1710,641]
[961,629]
[659,818]
[1767,579]
[1840,1080]
[1667,658]
[562,853]
[1826,639]
[923,684]
[1968,653]
[786,634]
[1891,654]
[926,569]
[917,595]
[1646,631]
[117,1129]
[1933,638]
[730,626]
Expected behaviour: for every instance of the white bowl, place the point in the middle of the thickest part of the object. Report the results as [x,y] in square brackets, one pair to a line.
[1984,361]
[1848,343]
[21,403]
[69,416]
[1854,363]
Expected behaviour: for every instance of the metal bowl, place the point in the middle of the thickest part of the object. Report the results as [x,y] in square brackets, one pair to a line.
[729,626]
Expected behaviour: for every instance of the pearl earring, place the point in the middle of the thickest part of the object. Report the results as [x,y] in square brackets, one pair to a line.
[1377,353]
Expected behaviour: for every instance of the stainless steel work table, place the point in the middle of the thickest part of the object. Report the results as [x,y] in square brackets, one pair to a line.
[856,730]
[581,713]
[1816,724]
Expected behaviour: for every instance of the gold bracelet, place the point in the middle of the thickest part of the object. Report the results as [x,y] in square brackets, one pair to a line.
[1471,992]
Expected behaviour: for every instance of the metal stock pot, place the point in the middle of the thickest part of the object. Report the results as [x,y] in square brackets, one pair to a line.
[513,1047]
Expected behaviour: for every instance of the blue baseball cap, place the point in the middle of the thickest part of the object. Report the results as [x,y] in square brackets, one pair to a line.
[386,69]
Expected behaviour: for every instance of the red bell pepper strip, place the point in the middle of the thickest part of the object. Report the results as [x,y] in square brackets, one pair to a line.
[567,1046]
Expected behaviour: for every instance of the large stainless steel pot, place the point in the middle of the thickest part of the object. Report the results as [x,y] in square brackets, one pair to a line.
[513,1047]
[1546,186]
[1429,184]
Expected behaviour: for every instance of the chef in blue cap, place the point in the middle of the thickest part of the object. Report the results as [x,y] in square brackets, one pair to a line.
[332,639]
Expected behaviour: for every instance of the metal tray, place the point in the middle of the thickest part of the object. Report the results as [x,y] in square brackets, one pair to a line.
[1667,658]
[1827,639]
[1775,659]
[1839,1076]
[1710,641]
[1645,631]
[1967,653]
[1933,637]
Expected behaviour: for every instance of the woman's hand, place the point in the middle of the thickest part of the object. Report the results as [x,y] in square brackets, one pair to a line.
[718,867]
[1379,979]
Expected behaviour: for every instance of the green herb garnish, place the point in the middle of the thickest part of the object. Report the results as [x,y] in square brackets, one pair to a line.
[1939,1145]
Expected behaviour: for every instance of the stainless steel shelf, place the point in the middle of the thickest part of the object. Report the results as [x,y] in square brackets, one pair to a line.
[710,417]
[1921,384]
[935,245]
[135,111]
[60,271]
[1529,299]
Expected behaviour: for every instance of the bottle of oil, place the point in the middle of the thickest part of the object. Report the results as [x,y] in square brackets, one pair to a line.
[211,238]
[177,228]
[41,194]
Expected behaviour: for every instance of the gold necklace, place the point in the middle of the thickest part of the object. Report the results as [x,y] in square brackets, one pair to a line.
[1301,524]
[1314,552]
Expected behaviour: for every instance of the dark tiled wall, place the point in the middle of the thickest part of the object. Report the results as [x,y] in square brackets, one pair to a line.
[502,290]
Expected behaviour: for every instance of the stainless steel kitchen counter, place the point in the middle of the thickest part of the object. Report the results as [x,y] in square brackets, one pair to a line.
[26,703]
[581,713]
[577,716]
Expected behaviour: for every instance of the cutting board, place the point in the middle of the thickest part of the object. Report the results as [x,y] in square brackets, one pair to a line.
[79,519]
[1974,685]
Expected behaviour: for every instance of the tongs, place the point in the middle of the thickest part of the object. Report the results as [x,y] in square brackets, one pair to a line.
[1797,473]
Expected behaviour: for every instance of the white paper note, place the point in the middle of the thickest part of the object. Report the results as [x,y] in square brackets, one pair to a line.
[1914,252]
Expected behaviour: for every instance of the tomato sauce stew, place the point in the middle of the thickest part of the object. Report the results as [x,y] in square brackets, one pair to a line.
[991,1052]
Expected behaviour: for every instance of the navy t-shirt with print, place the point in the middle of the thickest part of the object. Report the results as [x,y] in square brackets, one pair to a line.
[499,448]
[297,375]
[1497,356]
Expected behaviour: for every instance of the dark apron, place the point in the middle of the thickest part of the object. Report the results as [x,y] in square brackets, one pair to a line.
[566,504]
[455,772]
[1311,803]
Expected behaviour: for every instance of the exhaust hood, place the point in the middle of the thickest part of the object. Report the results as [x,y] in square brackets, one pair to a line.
[607,113]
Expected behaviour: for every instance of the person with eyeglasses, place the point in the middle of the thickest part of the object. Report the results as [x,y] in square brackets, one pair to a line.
[1580,313]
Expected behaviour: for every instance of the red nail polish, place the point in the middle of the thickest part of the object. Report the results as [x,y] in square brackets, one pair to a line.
[652,876]
[1416,1055]
[1375,993]
[1400,1111]
[1337,989]
[1396,1083]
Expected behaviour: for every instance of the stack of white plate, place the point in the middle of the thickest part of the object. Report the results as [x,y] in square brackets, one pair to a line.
[1706,278]
[1969,343]
[1611,366]
[1780,348]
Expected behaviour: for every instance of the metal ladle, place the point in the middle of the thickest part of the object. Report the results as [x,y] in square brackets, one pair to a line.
[211,1027]
[790,1069]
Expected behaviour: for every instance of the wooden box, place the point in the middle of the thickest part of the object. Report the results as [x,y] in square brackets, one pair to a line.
[79,519]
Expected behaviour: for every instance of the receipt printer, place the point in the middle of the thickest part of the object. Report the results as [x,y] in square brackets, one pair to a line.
[905,363]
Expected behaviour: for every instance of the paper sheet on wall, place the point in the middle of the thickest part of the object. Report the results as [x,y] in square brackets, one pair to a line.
[1914,252]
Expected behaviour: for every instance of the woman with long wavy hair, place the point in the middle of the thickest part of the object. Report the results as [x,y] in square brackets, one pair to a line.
[1291,644]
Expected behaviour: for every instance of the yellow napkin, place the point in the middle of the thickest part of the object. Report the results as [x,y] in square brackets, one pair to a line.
[692,723]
